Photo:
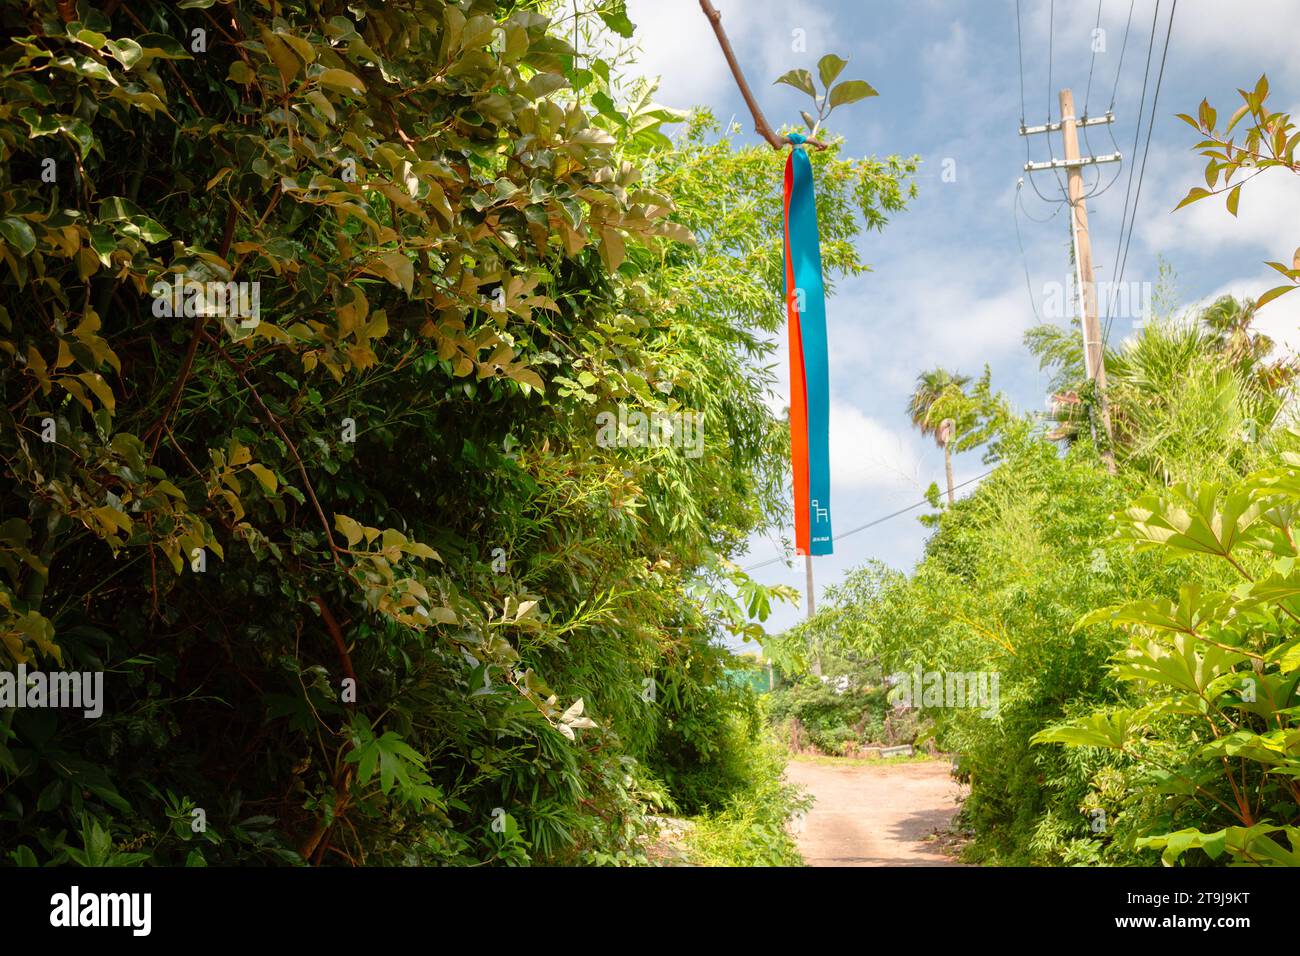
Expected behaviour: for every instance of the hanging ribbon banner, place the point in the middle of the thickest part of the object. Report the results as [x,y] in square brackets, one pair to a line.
[810,402]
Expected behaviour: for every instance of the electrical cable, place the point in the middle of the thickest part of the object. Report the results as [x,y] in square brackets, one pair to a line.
[1051,41]
[872,524]
[1164,55]
[1029,285]
[1119,69]
[1029,158]
[1128,189]
[1110,111]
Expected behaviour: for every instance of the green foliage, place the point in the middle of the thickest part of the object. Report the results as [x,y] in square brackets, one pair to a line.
[750,828]
[839,723]
[833,94]
[1269,142]
[1193,396]
[1007,573]
[1215,732]
[977,413]
[465,249]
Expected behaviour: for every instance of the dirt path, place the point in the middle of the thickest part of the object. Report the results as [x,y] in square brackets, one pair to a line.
[875,814]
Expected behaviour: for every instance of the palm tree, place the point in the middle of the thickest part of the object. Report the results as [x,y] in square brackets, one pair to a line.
[1230,324]
[931,387]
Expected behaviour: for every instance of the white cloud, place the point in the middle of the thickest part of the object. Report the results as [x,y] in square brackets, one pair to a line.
[867,454]
[909,318]
[949,55]
[678,45]
[1279,319]
[1267,220]
[1261,32]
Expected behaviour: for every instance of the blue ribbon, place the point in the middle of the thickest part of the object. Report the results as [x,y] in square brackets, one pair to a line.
[804,249]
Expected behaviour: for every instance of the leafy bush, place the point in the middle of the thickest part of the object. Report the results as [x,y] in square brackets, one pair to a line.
[750,827]
[1007,573]
[366,585]
[839,723]
[1214,736]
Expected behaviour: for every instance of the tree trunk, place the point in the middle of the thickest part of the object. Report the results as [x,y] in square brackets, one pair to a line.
[947,464]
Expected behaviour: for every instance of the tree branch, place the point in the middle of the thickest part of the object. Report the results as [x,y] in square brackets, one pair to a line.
[761,126]
[187,364]
[760,122]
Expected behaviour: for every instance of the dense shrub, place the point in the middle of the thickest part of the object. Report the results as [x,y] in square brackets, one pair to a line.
[366,585]
[839,723]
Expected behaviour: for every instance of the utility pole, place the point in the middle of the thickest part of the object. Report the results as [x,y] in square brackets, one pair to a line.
[812,609]
[1093,352]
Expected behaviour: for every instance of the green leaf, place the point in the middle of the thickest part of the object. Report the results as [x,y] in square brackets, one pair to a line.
[1234,198]
[18,234]
[1185,663]
[264,475]
[1191,519]
[350,528]
[126,51]
[149,230]
[800,80]
[1194,194]
[1095,730]
[159,46]
[23,856]
[341,81]
[117,207]
[829,67]
[1273,293]
[1252,845]
[1241,111]
[616,19]
[850,91]
[240,72]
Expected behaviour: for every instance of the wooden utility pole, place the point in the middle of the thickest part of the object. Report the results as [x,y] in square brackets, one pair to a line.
[807,566]
[1093,351]
[812,609]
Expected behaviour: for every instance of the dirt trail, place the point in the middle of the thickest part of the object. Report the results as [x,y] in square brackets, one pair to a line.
[875,814]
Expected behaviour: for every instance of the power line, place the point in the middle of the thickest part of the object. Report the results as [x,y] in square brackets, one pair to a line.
[1119,69]
[1091,63]
[1051,41]
[1054,214]
[872,524]
[1029,285]
[1110,127]
[1020,60]
[1020,55]
[1017,209]
[1128,189]
[1092,190]
[1169,29]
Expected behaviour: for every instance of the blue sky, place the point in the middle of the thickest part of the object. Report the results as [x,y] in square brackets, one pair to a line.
[949,285]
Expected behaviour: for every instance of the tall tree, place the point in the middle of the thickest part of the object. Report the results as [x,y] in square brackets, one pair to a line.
[932,387]
[1231,323]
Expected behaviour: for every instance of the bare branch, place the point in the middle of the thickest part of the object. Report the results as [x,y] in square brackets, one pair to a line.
[760,122]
